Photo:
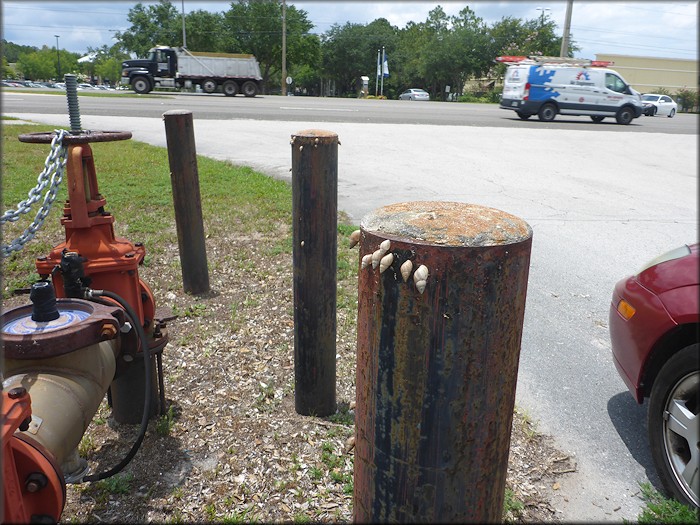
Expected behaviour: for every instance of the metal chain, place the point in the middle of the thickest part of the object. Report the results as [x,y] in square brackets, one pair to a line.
[51,176]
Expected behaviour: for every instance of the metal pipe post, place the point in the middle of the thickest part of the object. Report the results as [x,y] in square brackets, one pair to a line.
[184,177]
[442,289]
[315,247]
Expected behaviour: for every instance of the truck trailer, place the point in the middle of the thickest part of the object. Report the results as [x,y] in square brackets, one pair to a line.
[178,68]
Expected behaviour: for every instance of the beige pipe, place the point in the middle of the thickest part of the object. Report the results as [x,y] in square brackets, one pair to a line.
[66,392]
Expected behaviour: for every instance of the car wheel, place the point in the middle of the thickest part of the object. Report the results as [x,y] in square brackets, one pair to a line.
[547,113]
[209,86]
[653,111]
[230,88]
[624,116]
[523,116]
[597,118]
[673,425]
[672,113]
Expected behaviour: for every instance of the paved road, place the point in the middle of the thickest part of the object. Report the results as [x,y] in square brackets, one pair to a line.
[301,109]
[601,200]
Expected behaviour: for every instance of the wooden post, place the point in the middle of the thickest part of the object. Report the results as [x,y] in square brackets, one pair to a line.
[184,177]
[315,247]
[437,361]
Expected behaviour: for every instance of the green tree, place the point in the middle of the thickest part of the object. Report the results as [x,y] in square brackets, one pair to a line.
[255,26]
[43,64]
[688,99]
[204,31]
[12,51]
[107,64]
[343,58]
[305,68]
[158,24]
[37,65]
[351,51]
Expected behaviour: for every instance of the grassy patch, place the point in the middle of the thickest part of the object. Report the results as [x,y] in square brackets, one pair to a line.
[512,507]
[135,180]
[659,509]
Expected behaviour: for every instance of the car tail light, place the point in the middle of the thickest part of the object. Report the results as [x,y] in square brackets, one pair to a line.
[526,92]
[625,309]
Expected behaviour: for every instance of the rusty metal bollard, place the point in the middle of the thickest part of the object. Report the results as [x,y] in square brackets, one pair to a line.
[315,248]
[438,346]
[184,177]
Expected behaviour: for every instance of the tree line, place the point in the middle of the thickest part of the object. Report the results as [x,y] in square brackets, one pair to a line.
[441,51]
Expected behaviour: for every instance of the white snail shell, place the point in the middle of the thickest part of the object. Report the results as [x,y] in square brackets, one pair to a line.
[420,277]
[384,246]
[406,269]
[376,257]
[354,238]
[366,260]
[386,262]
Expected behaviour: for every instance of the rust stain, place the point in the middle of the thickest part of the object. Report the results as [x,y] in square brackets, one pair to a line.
[309,136]
[436,372]
[447,224]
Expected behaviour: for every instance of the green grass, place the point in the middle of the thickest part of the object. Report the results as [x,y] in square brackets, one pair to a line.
[512,507]
[659,509]
[135,180]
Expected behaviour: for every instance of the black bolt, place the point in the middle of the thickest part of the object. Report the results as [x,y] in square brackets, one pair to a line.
[35,482]
[17,392]
[24,425]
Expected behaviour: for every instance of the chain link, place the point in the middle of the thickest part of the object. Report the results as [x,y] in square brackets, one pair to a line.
[51,176]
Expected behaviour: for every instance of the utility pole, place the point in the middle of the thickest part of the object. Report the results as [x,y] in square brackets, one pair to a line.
[567,30]
[284,48]
[542,9]
[184,36]
[58,58]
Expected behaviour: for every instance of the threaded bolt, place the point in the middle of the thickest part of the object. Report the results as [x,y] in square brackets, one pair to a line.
[73,108]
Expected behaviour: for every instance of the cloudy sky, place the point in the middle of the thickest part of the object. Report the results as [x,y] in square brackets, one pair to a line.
[658,29]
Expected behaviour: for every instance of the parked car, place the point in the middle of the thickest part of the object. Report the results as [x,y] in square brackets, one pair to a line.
[654,331]
[414,94]
[654,104]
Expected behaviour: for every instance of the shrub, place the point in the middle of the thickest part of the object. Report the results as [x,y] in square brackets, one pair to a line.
[687,99]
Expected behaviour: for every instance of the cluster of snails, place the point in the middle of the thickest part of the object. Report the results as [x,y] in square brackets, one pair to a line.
[382,258]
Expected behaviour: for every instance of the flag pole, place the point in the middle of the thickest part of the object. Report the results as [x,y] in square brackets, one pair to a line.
[382,72]
[379,72]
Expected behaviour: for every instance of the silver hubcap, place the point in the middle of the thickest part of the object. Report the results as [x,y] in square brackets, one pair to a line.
[681,434]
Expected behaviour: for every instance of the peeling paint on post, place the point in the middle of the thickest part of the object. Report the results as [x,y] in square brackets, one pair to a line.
[315,246]
[437,369]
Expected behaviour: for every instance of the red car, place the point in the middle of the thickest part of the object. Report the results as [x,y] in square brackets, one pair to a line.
[654,330]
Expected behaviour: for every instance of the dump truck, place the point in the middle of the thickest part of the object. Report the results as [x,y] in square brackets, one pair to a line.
[178,68]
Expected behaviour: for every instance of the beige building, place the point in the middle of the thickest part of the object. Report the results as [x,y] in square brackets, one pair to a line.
[647,74]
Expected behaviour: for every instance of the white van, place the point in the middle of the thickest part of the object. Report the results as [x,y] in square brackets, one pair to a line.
[547,86]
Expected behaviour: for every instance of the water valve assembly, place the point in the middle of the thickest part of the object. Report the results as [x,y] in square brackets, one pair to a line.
[90,330]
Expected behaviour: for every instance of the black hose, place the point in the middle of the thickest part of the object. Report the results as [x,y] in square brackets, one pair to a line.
[89,294]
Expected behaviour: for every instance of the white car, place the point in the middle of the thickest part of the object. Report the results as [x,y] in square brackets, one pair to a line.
[414,94]
[658,105]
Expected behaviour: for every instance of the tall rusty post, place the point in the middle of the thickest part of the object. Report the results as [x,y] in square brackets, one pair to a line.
[438,346]
[315,247]
[184,177]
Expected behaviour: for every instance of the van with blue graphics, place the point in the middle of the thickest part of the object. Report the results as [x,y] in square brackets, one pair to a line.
[548,86]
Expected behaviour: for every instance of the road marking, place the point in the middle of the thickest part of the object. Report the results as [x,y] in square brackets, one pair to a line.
[318,109]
